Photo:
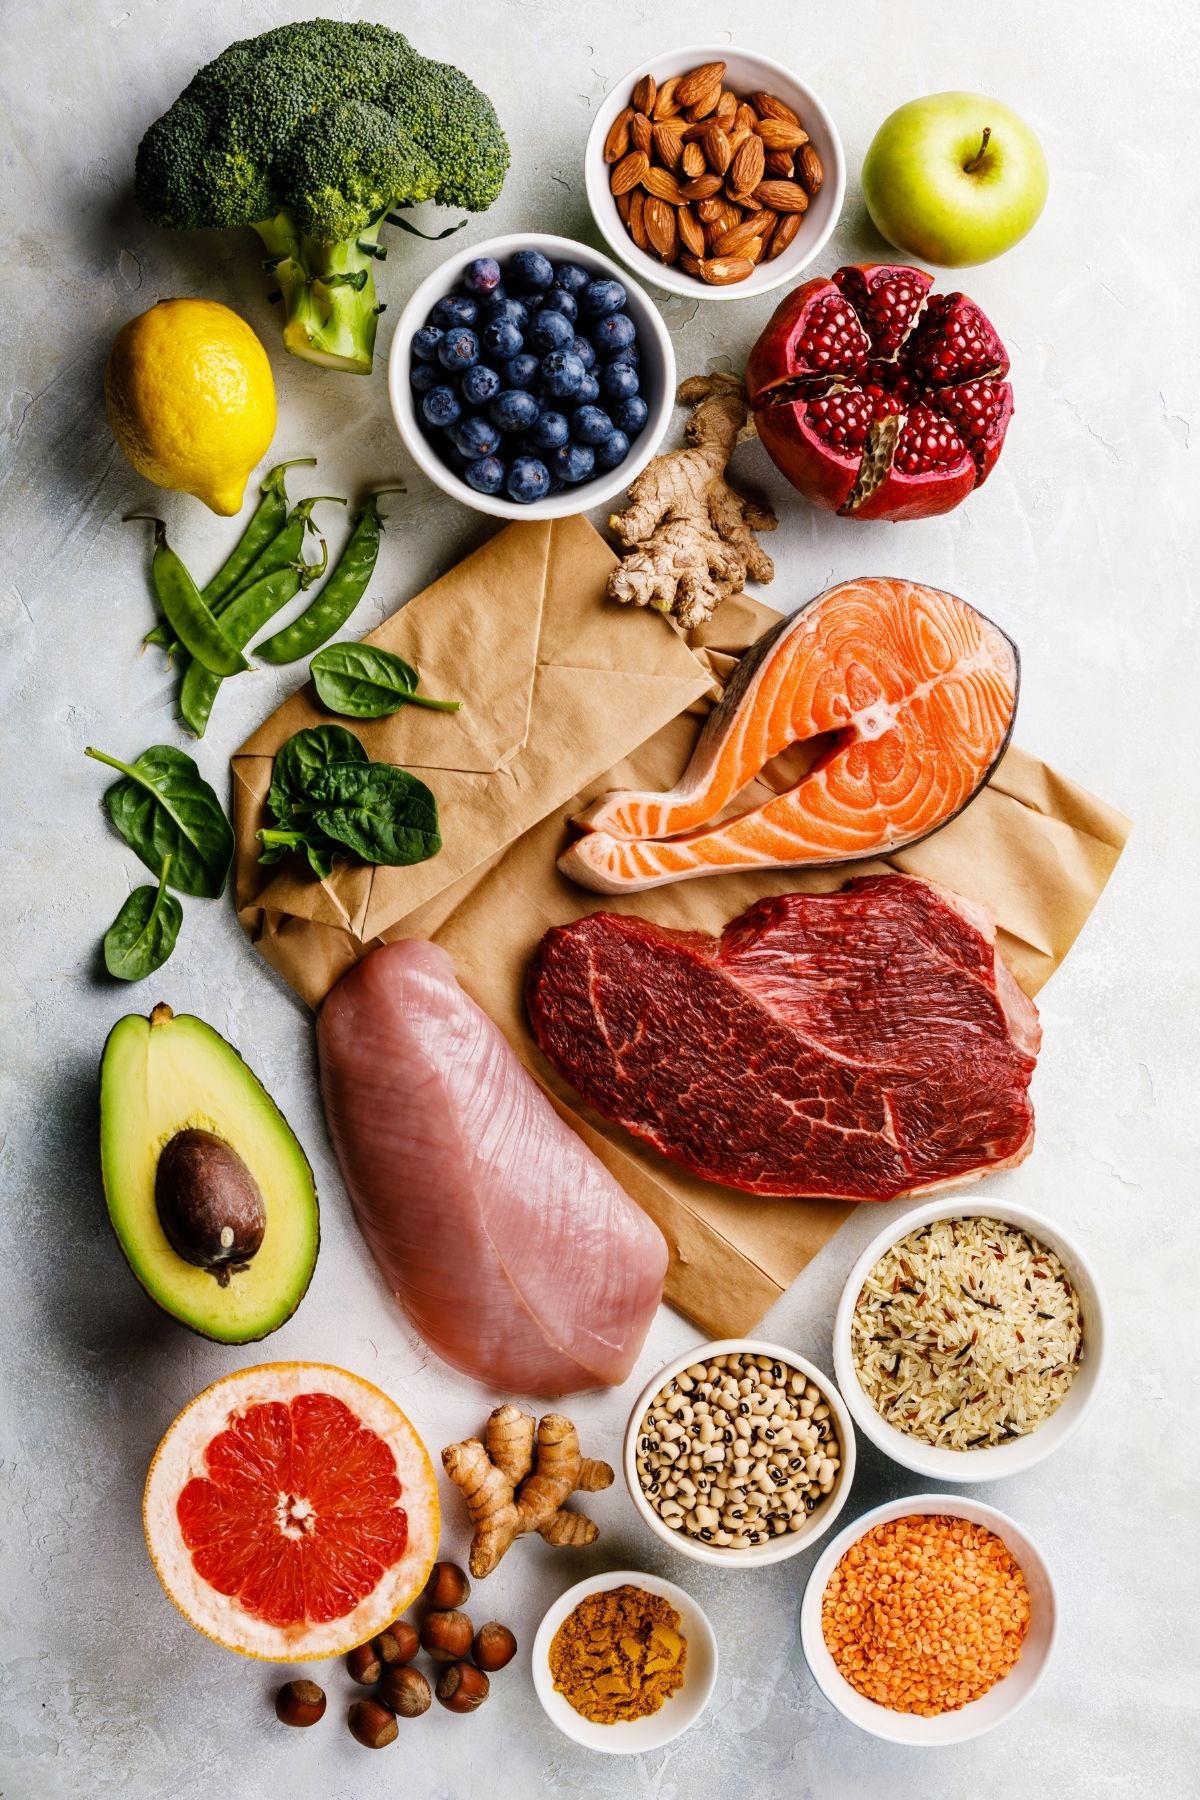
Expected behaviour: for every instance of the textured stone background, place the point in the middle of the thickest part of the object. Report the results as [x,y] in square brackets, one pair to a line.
[1082,545]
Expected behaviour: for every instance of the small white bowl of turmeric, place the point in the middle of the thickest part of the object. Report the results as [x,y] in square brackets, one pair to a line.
[624,1662]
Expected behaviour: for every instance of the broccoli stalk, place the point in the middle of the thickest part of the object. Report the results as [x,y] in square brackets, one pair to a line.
[328,292]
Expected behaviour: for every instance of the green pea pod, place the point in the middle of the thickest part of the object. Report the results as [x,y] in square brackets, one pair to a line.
[243,619]
[184,608]
[340,594]
[266,522]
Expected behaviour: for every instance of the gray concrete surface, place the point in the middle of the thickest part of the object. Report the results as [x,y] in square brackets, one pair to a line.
[1083,545]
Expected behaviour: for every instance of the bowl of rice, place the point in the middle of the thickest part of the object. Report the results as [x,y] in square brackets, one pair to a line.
[969,1340]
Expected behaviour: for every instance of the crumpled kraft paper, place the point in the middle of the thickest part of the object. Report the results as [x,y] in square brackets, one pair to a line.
[567,695]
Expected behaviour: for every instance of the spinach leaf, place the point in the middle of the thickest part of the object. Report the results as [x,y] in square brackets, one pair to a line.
[301,760]
[361,682]
[164,808]
[382,813]
[143,934]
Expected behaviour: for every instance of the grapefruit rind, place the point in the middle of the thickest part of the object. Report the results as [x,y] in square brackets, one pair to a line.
[180,1457]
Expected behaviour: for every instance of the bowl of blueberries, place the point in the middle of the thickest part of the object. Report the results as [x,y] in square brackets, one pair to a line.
[530,374]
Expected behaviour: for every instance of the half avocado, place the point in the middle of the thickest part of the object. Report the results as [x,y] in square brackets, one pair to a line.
[208,1190]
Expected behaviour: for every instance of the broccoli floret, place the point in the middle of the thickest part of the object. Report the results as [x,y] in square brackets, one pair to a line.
[312,134]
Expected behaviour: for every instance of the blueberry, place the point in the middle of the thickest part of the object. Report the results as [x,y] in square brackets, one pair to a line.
[574,462]
[515,410]
[486,476]
[588,390]
[631,355]
[558,300]
[502,338]
[571,278]
[479,385]
[482,276]
[616,331]
[528,479]
[601,297]
[590,426]
[424,376]
[613,450]
[520,371]
[618,381]
[562,374]
[530,271]
[454,309]
[458,349]
[631,414]
[475,436]
[425,342]
[441,406]
[503,308]
[583,349]
[551,430]
[549,330]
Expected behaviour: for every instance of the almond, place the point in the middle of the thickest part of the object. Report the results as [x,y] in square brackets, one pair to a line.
[777,134]
[697,84]
[782,196]
[691,232]
[669,147]
[663,185]
[780,162]
[637,219]
[629,172]
[727,107]
[745,118]
[677,125]
[748,166]
[625,204]
[712,234]
[710,211]
[720,271]
[666,104]
[690,264]
[734,241]
[701,188]
[716,148]
[693,160]
[706,105]
[660,228]
[645,94]
[693,129]
[768,107]
[642,133]
[789,224]
[811,172]
[617,141]
[739,197]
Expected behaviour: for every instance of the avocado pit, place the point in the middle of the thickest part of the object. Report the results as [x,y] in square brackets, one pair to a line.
[208,1203]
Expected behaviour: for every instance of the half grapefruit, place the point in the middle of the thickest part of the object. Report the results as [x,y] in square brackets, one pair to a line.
[291,1512]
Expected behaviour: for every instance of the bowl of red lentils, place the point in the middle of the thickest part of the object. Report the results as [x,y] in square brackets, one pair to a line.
[930,1620]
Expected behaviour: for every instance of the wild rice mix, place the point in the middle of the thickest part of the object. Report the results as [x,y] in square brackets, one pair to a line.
[925,1614]
[967,1332]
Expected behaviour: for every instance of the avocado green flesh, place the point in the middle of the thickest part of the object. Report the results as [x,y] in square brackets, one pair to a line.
[158,1079]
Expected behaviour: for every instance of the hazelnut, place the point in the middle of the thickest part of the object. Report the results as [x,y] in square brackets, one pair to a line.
[447,1587]
[462,1687]
[373,1725]
[398,1644]
[494,1646]
[365,1665]
[446,1635]
[406,1691]
[299,1703]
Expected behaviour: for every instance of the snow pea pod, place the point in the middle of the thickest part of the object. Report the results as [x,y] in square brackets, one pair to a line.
[340,595]
[185,610]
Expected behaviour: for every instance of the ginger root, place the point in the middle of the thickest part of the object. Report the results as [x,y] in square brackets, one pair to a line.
[518,1479]
[689,533]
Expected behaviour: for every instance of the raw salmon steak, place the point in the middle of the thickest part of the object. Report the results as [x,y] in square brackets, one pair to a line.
[515,1254]
[857,1045]
[920,691]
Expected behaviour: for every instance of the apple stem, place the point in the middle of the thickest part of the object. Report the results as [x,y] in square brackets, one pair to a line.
[970,168]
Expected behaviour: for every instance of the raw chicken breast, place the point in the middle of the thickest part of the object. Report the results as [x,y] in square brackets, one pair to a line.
[510,1246]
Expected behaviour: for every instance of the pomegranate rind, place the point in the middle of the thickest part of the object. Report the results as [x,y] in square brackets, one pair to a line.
[180,1458]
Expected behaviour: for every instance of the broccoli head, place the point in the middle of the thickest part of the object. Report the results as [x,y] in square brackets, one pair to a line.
[312,134]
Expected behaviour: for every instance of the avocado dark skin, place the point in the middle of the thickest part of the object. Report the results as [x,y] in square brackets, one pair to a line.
[208,1203]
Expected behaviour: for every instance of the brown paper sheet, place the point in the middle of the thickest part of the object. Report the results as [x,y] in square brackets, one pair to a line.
[567,696]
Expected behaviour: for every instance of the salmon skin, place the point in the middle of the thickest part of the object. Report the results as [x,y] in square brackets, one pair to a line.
[921,691]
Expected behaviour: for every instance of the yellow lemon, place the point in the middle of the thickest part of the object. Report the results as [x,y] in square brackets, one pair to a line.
[190,398]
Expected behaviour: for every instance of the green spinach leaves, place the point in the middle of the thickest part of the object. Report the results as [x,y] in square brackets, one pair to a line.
[361,682]
[327,799]
[143,934]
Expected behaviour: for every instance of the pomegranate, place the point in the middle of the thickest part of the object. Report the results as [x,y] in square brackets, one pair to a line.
[876,399]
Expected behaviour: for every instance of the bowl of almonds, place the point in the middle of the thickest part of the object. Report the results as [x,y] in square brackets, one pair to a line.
[714,172]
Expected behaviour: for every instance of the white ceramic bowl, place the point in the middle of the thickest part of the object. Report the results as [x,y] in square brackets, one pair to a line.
[634,1737]
[789,1543]
[746,72]
[991,1462]
[978,1716]
[656,370]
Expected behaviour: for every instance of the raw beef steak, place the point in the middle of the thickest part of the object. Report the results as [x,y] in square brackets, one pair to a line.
[856,1045]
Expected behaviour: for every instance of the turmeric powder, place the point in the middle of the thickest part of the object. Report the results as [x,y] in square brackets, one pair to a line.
[619,1655]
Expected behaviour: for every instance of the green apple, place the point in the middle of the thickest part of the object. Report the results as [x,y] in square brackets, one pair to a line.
[954,178]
